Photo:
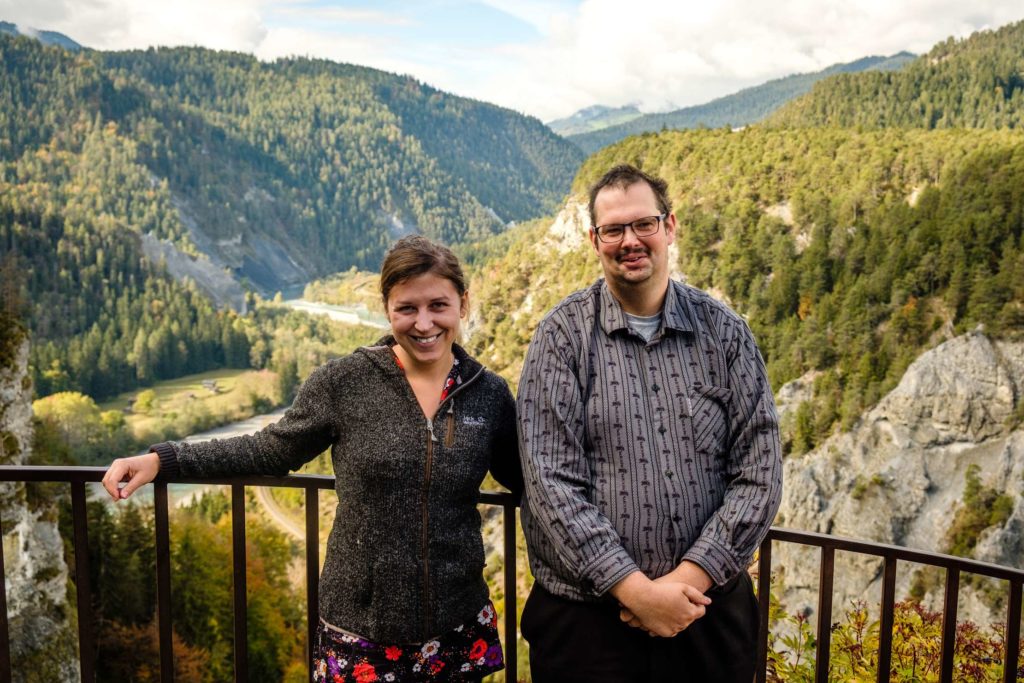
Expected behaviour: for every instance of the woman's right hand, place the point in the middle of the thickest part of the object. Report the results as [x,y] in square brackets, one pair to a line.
[134,471]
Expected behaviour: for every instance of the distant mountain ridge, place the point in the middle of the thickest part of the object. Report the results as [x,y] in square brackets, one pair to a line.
[739,109]
[976,82]
[44,37]
[288,170]
[135,186]
[594,118]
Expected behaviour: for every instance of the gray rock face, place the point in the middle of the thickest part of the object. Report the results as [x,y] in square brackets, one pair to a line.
[42,638]
[899,475]
[215,281]
[267,264]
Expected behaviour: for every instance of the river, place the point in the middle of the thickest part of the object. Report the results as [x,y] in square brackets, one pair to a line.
[353,314]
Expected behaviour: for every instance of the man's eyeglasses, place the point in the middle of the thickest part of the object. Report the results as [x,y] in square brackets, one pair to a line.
[642,227]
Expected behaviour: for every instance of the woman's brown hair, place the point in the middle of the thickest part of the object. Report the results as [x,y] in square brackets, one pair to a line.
[415,255]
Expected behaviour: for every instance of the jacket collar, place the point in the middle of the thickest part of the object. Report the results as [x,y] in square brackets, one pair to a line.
[675,312]
[381,355]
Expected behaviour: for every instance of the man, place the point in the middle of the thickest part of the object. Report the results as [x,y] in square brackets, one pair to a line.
[653,470]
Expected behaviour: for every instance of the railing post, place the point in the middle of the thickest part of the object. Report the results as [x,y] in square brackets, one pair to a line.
[238,563]
[1012,650]
[886,620]
[764,601]
[511,603]
[163,581]
[312,573]
[822,654]
[5,633]
[949,624]
[86,634]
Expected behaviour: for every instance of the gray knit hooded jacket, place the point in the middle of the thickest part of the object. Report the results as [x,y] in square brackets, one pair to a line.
[405,556]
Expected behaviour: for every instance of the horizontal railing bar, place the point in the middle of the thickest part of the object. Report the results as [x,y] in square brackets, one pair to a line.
[297,481]
[88,474]
[323,481]
[895,551]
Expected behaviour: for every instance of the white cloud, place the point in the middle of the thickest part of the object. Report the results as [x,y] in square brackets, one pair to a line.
[126,24]
[658,53]
[368,51]
[341,14]
[664,54]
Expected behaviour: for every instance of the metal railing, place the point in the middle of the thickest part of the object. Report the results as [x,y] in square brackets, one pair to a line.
[954,566]
[78,477]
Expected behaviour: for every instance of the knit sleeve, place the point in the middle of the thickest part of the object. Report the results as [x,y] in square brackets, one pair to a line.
[505,464]
[305,431]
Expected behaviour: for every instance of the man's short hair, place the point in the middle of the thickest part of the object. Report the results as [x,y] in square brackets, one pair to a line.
[624,176]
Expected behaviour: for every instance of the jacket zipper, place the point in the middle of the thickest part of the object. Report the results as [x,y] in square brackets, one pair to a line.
[428,465]
[431,438]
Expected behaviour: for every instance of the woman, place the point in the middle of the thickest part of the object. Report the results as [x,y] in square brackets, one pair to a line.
[413,424]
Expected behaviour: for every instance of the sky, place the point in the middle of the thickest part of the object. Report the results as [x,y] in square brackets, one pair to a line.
[546,58]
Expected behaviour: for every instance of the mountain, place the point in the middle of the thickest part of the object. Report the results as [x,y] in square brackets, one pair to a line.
[139,190]
[594,118]
[937,465]
[44,37]
[977,82]
[739,109]
[850,253]
[288,170]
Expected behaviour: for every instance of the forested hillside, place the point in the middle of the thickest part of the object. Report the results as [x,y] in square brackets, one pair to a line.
[739,109]
[977,82]
[323,162]
[279,171]
[849,252]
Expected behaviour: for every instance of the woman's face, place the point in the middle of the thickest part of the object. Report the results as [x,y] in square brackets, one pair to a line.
[425,312]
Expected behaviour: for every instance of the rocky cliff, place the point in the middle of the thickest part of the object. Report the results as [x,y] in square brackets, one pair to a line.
[43,640]
[899,476]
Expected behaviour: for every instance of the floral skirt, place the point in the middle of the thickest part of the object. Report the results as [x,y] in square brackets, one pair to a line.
[467,652]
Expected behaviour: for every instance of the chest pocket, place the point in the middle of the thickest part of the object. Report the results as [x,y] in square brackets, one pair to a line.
[709,417]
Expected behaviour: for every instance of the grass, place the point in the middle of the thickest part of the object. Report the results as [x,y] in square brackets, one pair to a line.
[185,405]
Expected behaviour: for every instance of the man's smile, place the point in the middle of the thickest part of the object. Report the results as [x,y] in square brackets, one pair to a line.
[634,256]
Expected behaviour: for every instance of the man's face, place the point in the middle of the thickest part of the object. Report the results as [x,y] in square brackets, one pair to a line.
[634,261]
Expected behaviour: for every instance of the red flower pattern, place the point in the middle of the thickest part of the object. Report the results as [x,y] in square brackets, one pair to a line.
[364,673]
[478,649]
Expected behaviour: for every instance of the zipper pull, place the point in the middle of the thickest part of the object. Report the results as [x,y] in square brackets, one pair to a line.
[430,428]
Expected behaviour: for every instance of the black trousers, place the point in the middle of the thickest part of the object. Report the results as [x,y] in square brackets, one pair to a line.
[578,642]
